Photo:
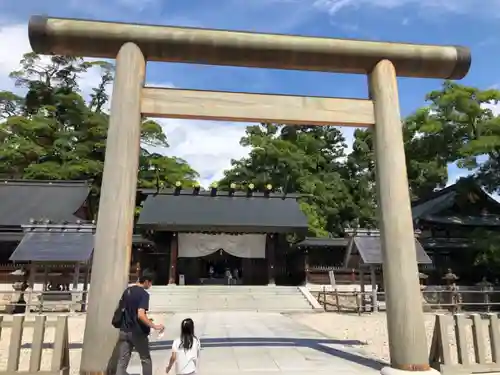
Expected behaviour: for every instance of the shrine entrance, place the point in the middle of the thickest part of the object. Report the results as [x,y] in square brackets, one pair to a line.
[220,268]
[132,45]
[223,259]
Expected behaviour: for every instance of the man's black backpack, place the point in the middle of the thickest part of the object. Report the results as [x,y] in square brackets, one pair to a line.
[120,313]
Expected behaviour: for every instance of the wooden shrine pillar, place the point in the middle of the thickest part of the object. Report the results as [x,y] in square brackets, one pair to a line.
[113,238]
[247,265]
[405,318]
[45,277]
[86,278]
[174,254]
[270,256]
[306,266]
[362,289]
[373,279]
[138,269]
[76,276]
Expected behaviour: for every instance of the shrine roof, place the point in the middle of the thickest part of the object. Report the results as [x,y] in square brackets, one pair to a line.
[239,213]
[58,201]
[464,203]
[369,249]
[55,243]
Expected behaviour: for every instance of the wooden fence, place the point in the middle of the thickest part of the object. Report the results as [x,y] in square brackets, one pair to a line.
[60,346]
[454,356]
[455,302]
[42,301]
[340,301]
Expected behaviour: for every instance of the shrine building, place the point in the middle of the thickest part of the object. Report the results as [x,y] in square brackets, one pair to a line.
[190,236]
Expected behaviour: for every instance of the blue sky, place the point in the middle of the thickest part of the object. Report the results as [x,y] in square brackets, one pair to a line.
[209,146]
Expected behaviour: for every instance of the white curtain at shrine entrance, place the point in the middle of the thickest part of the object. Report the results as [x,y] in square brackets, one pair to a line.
[194,245]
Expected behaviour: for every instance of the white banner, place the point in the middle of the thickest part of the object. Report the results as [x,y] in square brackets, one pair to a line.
[193,245]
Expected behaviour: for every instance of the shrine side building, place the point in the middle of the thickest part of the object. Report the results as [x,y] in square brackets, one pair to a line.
[192,237]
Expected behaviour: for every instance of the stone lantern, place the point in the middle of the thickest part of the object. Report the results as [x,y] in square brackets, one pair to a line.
[450,278]
[422,277]
[17,301]
[453,297]
[486,288]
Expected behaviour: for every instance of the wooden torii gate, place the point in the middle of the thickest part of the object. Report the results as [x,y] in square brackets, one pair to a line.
[132,45]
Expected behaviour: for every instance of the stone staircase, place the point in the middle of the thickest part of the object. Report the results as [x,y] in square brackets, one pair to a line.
[228,298]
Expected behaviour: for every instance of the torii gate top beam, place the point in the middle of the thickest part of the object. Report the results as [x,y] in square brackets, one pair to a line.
[100,39]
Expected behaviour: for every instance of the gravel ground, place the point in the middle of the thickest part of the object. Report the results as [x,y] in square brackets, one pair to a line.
[371,330]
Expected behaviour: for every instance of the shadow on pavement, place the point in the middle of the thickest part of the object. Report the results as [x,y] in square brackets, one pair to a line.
[320,345]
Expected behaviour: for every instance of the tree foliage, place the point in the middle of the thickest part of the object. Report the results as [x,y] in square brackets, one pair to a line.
[51,132]
[426,172]
[460,126]
[339,189]
[305,159]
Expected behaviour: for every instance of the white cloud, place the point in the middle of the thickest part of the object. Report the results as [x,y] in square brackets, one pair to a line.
[14,44]
[17,44]
[208,146]
[494,107]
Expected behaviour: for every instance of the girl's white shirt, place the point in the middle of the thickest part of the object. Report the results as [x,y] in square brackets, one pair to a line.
[186,361]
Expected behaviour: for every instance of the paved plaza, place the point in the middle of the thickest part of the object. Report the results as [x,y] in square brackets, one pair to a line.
[241,342]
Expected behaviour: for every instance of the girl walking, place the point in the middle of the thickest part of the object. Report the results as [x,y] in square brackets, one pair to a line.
[185,350]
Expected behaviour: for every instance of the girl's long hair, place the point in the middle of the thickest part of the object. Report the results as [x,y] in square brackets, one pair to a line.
[187,334]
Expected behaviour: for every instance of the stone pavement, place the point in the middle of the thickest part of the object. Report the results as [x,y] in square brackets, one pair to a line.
[264,343]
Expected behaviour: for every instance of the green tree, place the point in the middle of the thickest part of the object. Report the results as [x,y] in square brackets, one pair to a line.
[455,126]
[53,133]
[426,172]
[461,128]
[300,159]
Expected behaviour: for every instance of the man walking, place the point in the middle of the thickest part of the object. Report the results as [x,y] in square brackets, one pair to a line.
[135,326]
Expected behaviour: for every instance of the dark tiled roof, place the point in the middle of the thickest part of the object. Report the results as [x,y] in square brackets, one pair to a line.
[466,220]
[436,204]
[444,199]
[56,245]
[431,243]
[58,201]
[203,213]
[323,242]
[370,250]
